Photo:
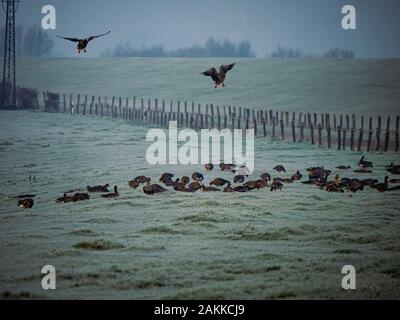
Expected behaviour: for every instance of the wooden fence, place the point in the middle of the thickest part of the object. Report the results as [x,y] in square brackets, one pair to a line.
[342,132]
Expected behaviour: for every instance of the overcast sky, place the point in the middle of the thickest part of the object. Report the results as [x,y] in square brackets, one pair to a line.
[310,25]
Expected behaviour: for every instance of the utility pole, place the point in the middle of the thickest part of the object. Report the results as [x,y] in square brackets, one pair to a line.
[9,90]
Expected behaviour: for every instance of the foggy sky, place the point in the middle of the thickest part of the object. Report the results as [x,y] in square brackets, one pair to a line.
[310,25]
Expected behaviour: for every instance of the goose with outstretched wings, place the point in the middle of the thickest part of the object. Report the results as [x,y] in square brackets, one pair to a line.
[219,77]
[82,43]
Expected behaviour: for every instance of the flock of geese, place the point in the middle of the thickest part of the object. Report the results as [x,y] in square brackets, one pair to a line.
[318,176]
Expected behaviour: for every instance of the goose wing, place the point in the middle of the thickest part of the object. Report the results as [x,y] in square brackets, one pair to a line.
[70,39]
[225,68]
[212,72]
[100,35]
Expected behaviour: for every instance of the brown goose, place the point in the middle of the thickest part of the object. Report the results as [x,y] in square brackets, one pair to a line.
[382,187]
[82,43]
[209,189]
[239,179]
[228,188]
[209,166]
[65,199]
[185,180]
[80,197]
[279,168]
[297,176]
[364,164]
[355,185]
[219,77]
[153,189]
[166,177]
[194,186]
[369,182]
[219,182]
[180,186]
[142,179]
[197,176]
[276,185]
[241,189]
[265,176]
[134,184]
[114,194]
[226,166]
[25,203]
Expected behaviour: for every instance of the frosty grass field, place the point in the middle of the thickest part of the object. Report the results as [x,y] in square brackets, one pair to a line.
[259,245]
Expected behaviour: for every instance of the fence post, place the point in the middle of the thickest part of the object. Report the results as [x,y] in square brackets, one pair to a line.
[378,134]
[293,130]
[312,133]
[387,135]
[370,134]
[339,138]
[397,134]
[361,134]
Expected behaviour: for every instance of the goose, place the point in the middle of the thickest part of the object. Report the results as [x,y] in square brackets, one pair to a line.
[142,179]
[394,170]
[228,188]
[185,180]
[133,184]
[82,43]
[251,184]
[209,166]
[25,203]
[209,189]
[153,188]
[238,179]
[283,180]
[180,186]
[226,166]
[241,189]
[99,188]
[276,185]
[218,77]
[166,177]
[195,186]
[369,182]
[219,182]
[171,183]
[333,188]
[65,199]
[197,176]
[382,186]
[355,185]
[114,194]
[297,176]
[364,164]
[280,168]
[80,197]
[265,176]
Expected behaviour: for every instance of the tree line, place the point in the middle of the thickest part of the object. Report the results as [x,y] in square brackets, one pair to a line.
[290,53]
[211,48]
